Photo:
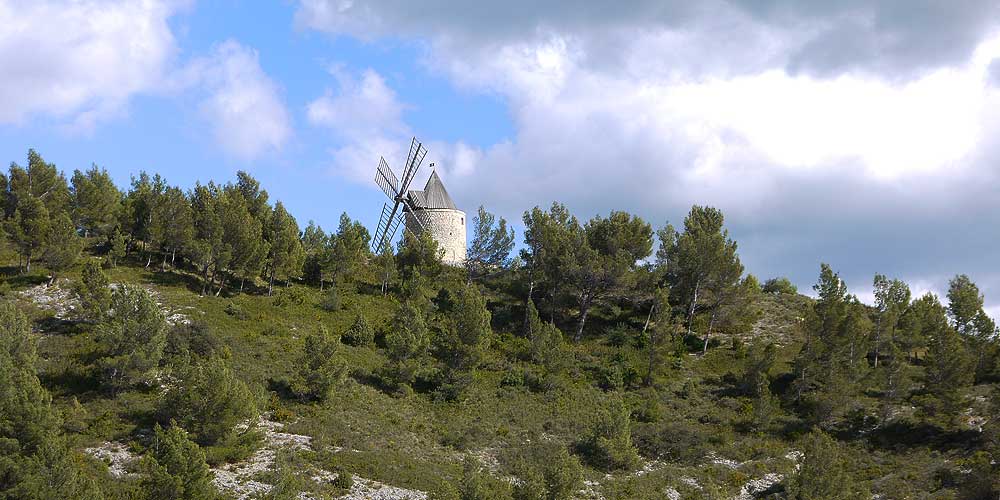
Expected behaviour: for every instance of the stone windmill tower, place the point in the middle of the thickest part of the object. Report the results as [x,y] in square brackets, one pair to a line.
[429,210]
[434,211]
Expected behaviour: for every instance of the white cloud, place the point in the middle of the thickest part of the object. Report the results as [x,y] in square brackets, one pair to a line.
[820,130]
[80,61]
[242,105]
[365,118]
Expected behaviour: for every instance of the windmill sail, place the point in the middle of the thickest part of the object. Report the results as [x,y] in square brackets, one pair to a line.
[396,190]
[386,179]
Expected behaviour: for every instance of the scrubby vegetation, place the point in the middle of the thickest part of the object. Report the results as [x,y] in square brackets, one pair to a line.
[186,328]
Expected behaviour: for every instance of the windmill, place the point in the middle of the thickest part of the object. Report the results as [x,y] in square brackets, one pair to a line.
[396,190]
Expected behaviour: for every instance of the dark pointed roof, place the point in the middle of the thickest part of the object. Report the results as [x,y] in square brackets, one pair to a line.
[433,196]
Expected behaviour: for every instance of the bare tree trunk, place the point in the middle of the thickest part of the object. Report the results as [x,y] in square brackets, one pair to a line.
[694,302]
[527,304]
[173,255]
[711,323]
[242,280]
[584,311]
[149,258]
[270,283]
[648,317]
[878,337]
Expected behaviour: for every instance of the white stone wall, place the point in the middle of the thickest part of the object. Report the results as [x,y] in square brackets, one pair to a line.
[448,229]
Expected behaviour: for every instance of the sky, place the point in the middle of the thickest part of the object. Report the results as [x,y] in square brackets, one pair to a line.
[860,133]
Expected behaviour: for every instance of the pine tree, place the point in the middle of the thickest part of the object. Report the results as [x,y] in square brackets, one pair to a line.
[40,180]
[608,443]
[316,245]
[285,252]
[349,249]
[93,292]
[28,228]
[26,417]
[891,300]
[172,224]
[242,241]
[209,401]
[319,370]
[406,342]
[132,335]
[702,266]
[137,210]
[96,201]
[490,249]
[949,373]
[175,467]
[965,307]
[116,247]
[360,332]
[63,245]
[385,266]
[467,333]
[603,260]
[546,341]
[208,249]
[659,334]
[822,474]
[832,360]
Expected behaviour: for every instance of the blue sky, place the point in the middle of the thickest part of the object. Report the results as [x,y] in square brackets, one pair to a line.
[858,133]
[163,133]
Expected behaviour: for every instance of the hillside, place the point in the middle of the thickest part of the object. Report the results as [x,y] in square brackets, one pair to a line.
[411,442]
[157,343]
[690,428]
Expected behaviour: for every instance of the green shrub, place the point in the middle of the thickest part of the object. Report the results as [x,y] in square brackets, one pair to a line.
[344,480]
[621,335]
[289,296]
[676,440]
[93,291]
[191,342]
[176,468]
[210,401]
[779,286]
[331,301]
[360,333]
[547,471]
[319,370]
[132,335]
[823,474]
[477,484]
[608,443]
[233,309]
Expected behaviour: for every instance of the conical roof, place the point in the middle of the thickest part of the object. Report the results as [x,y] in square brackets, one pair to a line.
[433,196]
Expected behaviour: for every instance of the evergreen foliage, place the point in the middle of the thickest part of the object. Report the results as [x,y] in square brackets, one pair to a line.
[608,443]
[96,201]
[132,335]
[780,285]
[361,333]
[489,251]
[822,475]
[853,372]
[210,401]
[62,246]
[175,467]
[319,370]
[93,291]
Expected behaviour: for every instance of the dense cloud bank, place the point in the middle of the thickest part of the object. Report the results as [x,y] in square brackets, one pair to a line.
[855,133]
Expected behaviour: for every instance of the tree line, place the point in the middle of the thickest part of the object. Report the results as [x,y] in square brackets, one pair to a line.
[691,293]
